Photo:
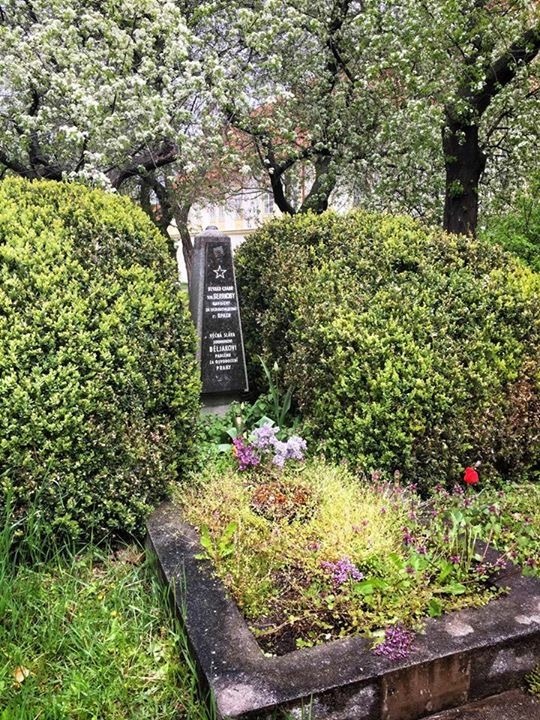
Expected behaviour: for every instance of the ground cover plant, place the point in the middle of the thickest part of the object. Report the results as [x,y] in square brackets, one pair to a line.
[310,552]
[89,634]
[409,350]
[508,518]
[99,389]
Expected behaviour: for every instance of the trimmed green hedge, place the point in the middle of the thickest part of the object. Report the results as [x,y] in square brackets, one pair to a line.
[98,381]
[409,350]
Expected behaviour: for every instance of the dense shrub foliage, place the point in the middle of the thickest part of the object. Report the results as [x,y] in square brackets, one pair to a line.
[409,350]
[519,231]
[98,384]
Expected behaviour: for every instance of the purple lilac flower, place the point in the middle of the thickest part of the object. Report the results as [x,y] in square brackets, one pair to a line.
[264,441]
[342,570]
[280,453]
[296,447]
[397,643]
[264,437]
[293,449]
[245,454]
[278,460]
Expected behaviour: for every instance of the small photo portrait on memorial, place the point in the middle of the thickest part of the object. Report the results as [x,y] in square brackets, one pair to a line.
[217,255]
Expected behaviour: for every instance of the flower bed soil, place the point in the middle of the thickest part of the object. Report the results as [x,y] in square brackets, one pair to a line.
[460,657]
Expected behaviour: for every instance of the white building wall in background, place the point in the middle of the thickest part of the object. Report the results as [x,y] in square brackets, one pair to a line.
[239,217]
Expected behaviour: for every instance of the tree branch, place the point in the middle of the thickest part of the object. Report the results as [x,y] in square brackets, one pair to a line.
[324,183]
[15,166]
[275,173]
[504,69]
[144,161]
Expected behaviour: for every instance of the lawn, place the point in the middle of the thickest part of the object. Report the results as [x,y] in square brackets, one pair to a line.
[91,635]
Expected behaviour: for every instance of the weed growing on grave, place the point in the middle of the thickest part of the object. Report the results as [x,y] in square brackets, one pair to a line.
[508,519]
[312,554]
[533,680]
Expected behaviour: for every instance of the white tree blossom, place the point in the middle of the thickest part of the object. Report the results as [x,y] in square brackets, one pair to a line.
[98,91]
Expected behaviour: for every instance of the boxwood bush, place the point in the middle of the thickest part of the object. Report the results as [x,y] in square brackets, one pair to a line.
[98,382]
[409,350]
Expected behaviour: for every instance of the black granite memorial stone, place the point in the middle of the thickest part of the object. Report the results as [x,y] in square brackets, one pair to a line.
[214,306]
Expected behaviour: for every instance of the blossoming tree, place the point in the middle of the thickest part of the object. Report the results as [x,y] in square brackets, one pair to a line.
[410,105]
[475,62]
[417,106]
[103,92]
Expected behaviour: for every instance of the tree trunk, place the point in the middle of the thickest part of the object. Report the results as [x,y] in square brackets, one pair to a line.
[464,163]
[325,181]
[181,213]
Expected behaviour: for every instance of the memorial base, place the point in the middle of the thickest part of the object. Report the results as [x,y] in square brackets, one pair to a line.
[218,404]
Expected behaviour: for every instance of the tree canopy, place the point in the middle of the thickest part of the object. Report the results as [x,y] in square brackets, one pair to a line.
[412,105]
[99,91]
[424,107]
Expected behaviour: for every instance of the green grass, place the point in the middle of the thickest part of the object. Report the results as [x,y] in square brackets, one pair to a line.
[90,635]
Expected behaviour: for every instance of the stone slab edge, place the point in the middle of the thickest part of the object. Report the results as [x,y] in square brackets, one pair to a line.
[492,646]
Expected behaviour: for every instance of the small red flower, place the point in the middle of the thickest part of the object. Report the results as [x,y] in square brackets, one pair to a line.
[470,476]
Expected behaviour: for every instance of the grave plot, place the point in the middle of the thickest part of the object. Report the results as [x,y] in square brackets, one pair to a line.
[459,657]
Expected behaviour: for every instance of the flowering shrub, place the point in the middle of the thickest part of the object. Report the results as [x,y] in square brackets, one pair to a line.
[263,444]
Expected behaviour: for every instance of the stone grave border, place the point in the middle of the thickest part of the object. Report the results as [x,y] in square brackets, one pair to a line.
[460,657]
